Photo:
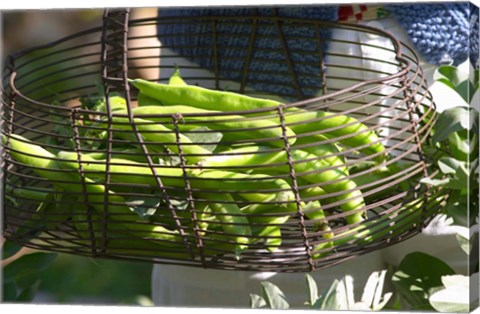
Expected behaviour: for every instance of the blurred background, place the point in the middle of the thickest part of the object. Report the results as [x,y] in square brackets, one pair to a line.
[92,281]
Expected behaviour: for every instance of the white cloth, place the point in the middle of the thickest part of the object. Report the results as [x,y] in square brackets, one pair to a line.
[182,286]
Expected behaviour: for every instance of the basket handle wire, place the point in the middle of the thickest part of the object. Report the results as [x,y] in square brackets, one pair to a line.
[114,60]
[296,192]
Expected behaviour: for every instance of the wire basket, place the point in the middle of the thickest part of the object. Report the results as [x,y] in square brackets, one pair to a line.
[281,188]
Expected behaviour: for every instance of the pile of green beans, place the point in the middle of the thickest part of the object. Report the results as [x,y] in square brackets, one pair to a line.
[237,190]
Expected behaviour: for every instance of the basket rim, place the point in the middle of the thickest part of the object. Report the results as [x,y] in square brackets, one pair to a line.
[405,62]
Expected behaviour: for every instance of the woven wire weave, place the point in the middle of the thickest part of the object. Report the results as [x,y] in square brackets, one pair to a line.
[41,100]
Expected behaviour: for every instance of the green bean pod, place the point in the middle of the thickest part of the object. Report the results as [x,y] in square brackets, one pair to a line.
[157,133]
[373,178]
[328,151]
[254,187]
[315,171]
[347,130]
[233,127]
[37,194]
[243,159]
[133,154]
[116,103]
[200,97]
[402,219]
[233,222]
[176,78]
[121,243]
[304,163]
[270,235]
[47,165]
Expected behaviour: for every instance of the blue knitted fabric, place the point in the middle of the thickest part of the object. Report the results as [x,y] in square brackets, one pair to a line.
[268,67]
[474,24]
[438,30]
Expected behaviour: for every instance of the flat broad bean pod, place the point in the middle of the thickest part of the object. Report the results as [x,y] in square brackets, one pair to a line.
[121,243]
[308,166]
[176,78]
[47,165]
[200,97]
[404,219]
[254,187]
[157,134]
[233,127]
[234,224]
[328,151]
[348,130]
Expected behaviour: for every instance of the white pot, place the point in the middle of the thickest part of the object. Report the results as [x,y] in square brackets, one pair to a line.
[182,286]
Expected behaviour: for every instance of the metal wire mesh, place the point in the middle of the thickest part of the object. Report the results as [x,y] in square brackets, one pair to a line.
[128,189]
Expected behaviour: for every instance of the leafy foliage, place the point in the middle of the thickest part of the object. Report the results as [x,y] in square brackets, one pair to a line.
[338,296]
[456,136]
[417,276]
[22,276]
[456,295]
[425,281]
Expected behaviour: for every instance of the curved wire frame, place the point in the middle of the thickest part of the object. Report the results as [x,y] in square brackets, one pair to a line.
[165,208]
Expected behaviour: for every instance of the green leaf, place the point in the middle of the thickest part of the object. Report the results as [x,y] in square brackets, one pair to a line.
[9,249]
[34,262]
[456,208]
[179,204]
[383,302]
[205,135]
[446,82]
[274,297]
[435,182]
[474,120]
[460,180]
[368,291]
[312,290]
[417,274]
[100,88]
[341,297]
[328,300]
[9,292]
[372,293]
[345,293]
[143,300]
[452,120]
[456,281]
[459,148]
[465,89]
[27,278]
[256,301]
[476,79]
[464,240]
[454,78]
[55,210]
[145,207]
[28,294]
[449,165]
[450,73]
[394,303]
[455,297]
